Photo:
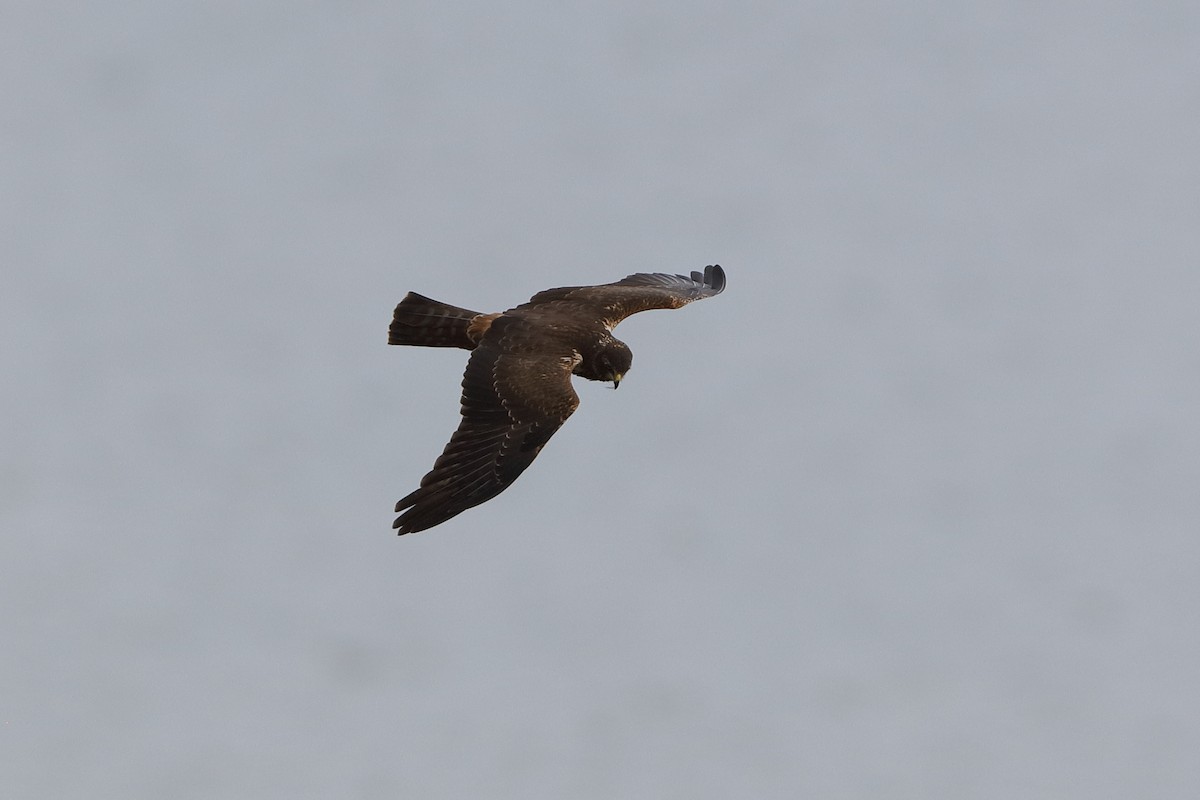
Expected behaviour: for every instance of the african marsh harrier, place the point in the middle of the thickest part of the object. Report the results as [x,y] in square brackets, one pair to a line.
[517,387]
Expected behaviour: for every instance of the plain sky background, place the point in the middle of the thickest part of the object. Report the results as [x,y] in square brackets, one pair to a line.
[910,511]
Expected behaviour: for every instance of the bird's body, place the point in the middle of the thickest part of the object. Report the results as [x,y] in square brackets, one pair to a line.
[517,386]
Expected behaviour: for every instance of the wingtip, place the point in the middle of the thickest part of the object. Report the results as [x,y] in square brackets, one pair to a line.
[713,278]
[416,518]
[402,525]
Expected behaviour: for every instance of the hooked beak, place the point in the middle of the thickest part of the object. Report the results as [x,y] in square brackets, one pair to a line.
[617,379]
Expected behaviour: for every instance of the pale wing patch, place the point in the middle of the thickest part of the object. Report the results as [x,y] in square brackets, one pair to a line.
[479,326]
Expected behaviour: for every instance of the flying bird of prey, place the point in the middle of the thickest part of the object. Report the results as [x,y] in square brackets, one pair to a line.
[517,387]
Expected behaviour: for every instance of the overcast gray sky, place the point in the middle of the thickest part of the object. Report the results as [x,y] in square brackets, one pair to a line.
[909,511]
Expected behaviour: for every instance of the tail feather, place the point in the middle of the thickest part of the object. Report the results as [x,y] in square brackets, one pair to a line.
[424,322]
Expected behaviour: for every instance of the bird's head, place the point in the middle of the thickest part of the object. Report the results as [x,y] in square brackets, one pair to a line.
[609,362]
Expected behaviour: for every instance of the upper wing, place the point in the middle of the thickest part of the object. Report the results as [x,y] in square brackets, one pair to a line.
[512,403]
[639,292]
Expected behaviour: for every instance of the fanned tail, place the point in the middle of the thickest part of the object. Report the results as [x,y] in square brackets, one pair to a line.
[423,322]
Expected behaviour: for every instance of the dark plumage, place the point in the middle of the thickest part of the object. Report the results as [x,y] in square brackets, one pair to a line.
[517,387]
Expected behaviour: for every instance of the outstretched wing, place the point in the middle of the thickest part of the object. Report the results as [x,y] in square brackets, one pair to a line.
[613,302]
[515,396]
